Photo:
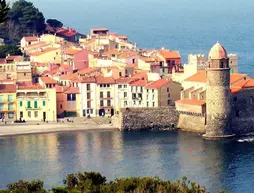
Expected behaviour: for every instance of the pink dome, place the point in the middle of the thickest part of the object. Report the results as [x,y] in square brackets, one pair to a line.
[217,52]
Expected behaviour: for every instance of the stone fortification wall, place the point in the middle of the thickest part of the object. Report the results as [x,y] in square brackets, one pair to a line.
[192,123]
[243,112]
[146,118]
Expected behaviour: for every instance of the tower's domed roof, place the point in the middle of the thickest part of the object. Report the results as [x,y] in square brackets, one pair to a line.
[217,52]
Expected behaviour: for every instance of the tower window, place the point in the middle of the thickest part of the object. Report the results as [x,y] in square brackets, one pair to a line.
[237,113]
[251,100]
[221,65]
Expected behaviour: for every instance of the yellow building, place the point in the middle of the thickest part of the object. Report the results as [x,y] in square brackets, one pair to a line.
[8,102]
[35,103]
[46,55]
[162,93]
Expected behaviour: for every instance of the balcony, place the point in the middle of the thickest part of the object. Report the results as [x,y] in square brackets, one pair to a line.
[33,108]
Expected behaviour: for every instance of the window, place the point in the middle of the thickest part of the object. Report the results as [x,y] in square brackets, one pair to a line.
[10,98]
[168,95]
[10,115]
[139,102]
[221,65]
[1,107]
[108,85]
[44,103]
[147,104]
[108,103]
[125,103]
[237,113]
[101,94]
[88,104]
[21,114]
[108,94]
[169,102]
[20,103]
[36,114]
[251,100]
[35,104]
[68,97]
[152,90]
[1,98]
[173,62]
[24,74]
[101,103]
[167,89]
[153,104]
[120,73]
[28,104]
[125,94]
[134,102]
[147,97]
[73,98]
[119,86]
[147,90]
[10,107]
[125,86]
[153,97]
[88,87]
[61,106]
[133,60]
[29,114]
[88,95]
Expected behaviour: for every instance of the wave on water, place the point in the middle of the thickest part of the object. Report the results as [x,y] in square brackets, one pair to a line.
[244,140]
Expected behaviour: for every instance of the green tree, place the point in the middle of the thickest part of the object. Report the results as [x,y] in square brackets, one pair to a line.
[30,19]
[4,8]
[54,23]
[9,49]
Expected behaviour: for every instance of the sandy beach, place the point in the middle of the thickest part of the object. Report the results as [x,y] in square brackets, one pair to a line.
[33,127]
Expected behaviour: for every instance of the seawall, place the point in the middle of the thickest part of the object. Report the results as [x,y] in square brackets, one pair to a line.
[146,118]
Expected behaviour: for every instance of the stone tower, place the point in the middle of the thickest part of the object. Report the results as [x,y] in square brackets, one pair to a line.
[218,107]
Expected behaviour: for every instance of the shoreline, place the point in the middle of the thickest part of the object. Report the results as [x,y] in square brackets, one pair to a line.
[29,128]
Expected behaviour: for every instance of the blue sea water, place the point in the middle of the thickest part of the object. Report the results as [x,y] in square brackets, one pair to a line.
[167,154]
[188,26]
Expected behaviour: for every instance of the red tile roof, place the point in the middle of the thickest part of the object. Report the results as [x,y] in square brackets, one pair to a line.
[158,84]
[71,51]
[2,61]
[85,80]
[139,83]
[201,77]
[43,52]
[39,44]
[48,80]
[140,75]
[30,87]
[68,76]
[31,38]
[72,90]
[7,88]
[192,102]
[124,80]
[168,54]
[242,85]
[88,71]
[16,58]
[105,80]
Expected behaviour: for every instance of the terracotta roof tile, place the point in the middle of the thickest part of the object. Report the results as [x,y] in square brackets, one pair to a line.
[31,38]
[105,80]
[72,90]
[48,80]
[140,75]
[124,80]
[84,80]
[7,88]
[139,83]
[236,77]
[157,84]
[192,102]
[68,76]
[43,52]
[30,87]
[88,71]
[168,54]
[71,51]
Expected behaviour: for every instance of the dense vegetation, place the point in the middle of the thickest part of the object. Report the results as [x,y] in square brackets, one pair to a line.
[4,8]
[92,182]
[9,49]
[23,19]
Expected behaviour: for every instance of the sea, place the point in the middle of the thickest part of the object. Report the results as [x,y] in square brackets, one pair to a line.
[184,25]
